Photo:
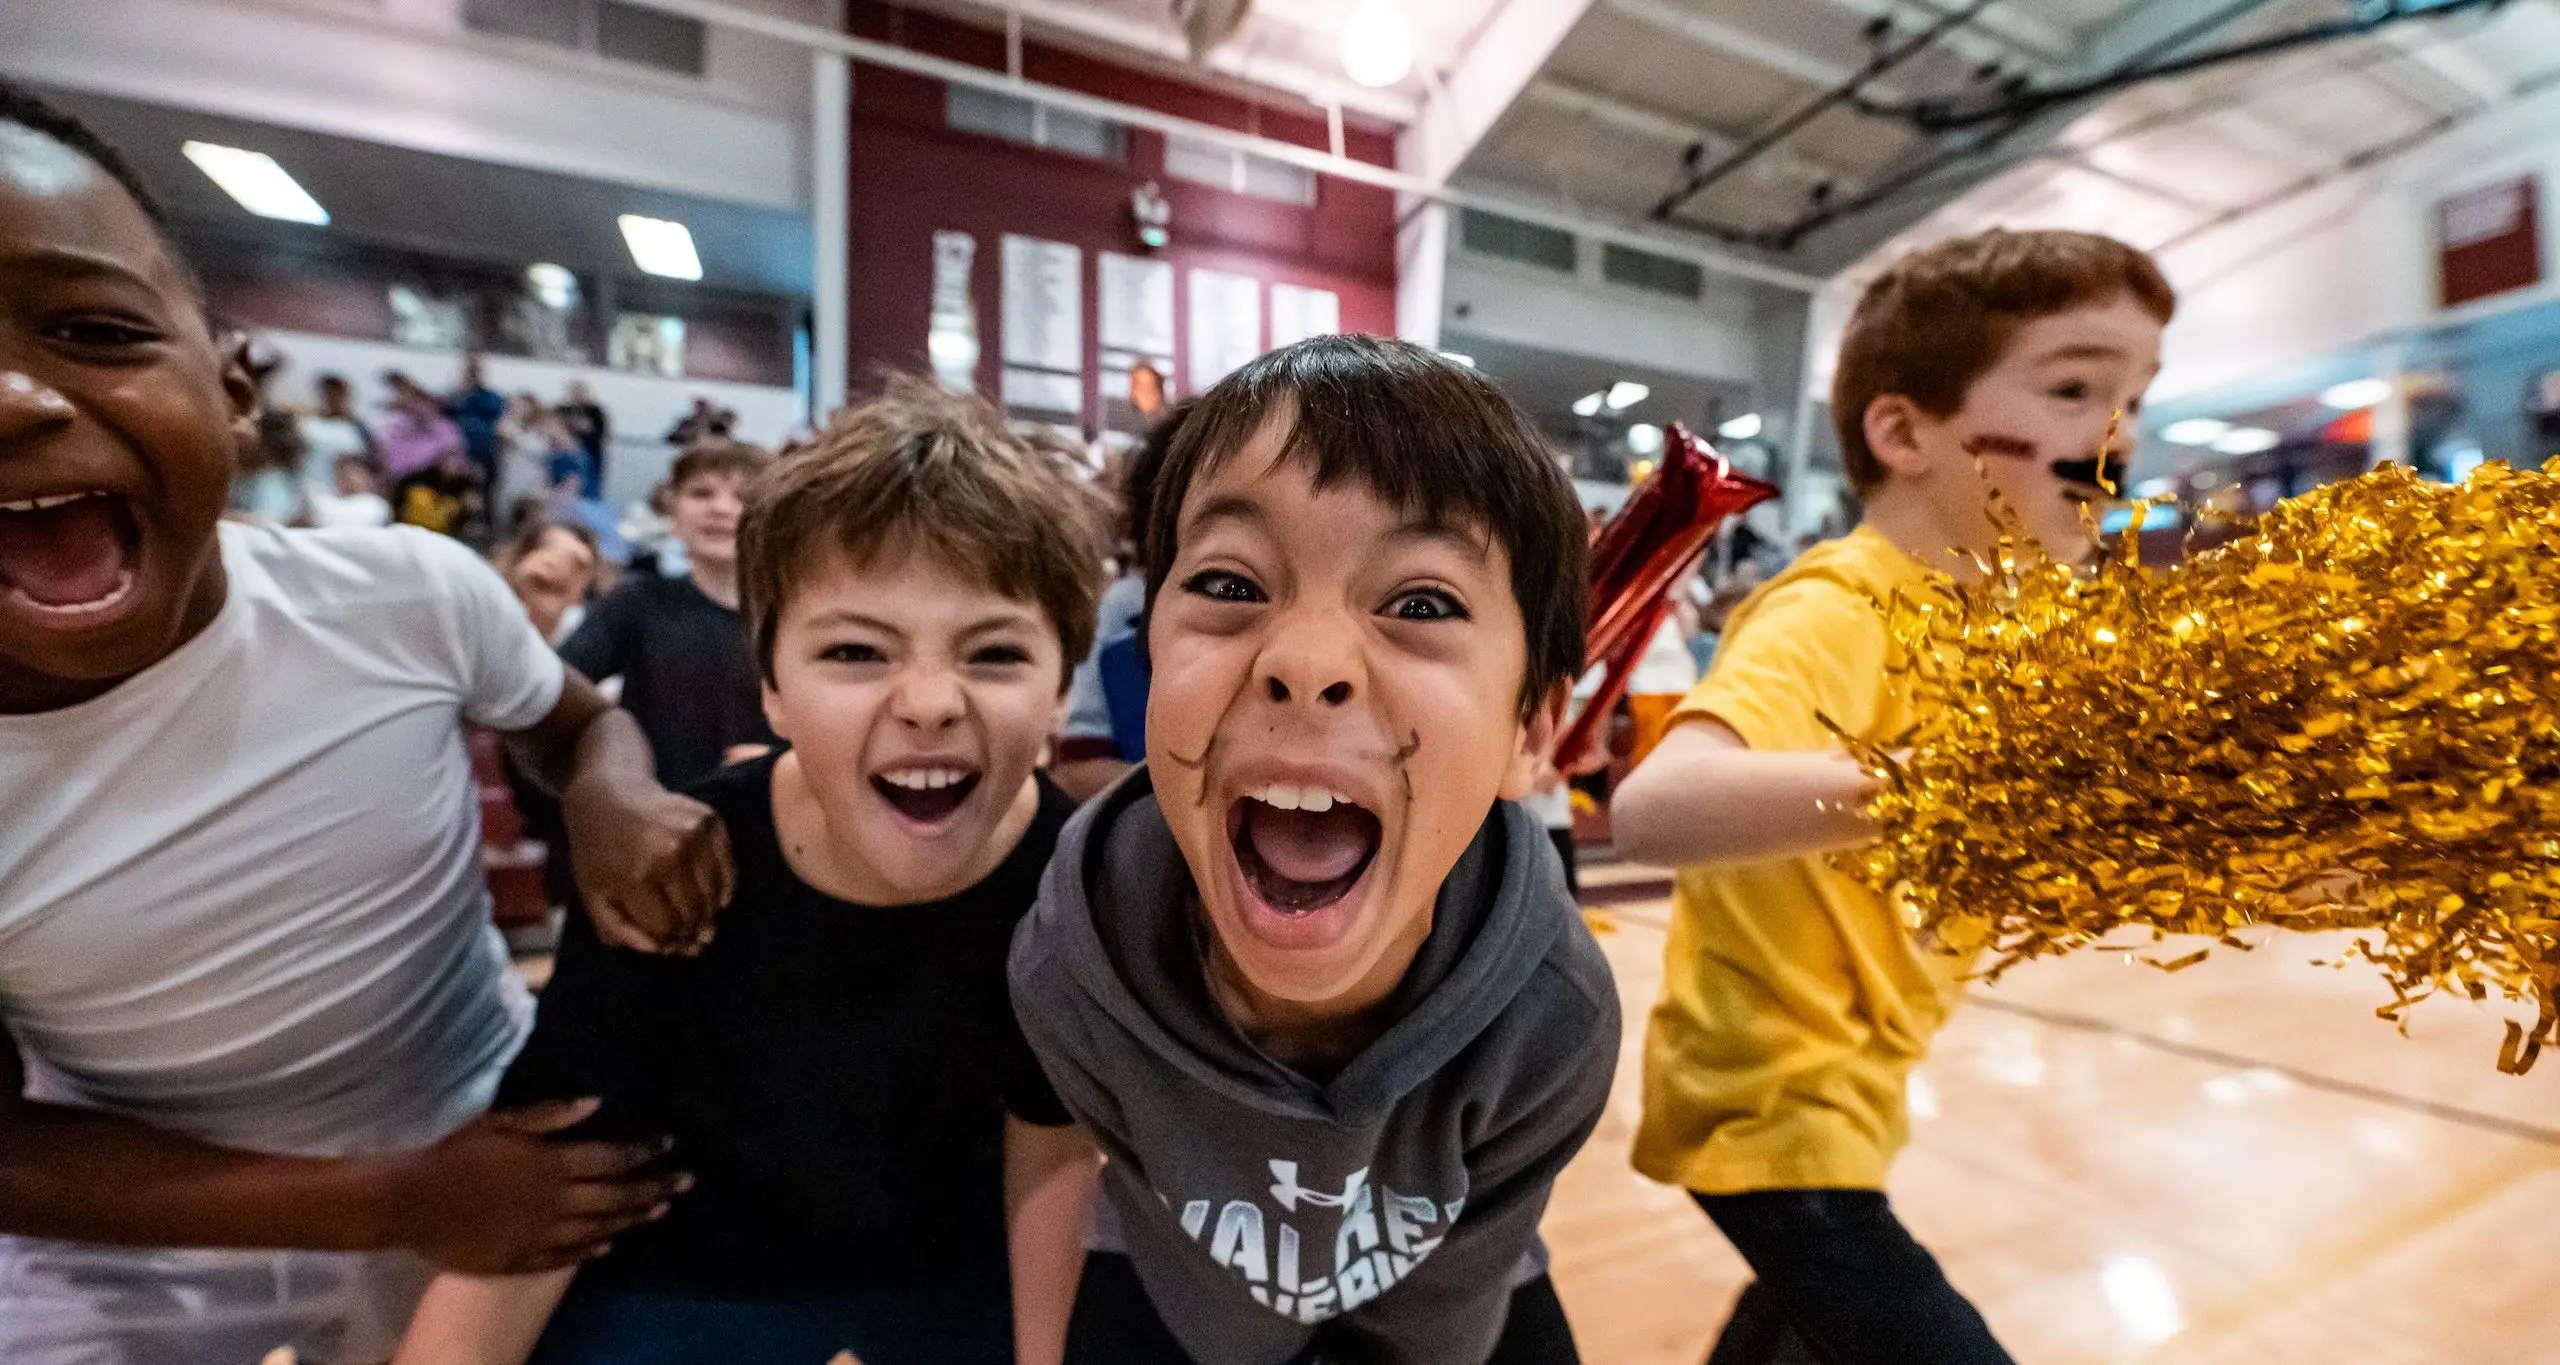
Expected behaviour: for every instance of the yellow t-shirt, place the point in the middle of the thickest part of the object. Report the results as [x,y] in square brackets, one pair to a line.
[1794,1000]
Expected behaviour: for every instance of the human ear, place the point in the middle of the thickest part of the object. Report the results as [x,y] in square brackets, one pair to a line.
[773,716]
[1528,764]
[1892,427]
[239,392]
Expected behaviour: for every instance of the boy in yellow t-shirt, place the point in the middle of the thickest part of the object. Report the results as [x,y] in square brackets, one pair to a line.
[1795,1003]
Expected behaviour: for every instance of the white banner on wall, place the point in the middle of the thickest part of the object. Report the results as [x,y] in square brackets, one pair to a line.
[1043,326]
[1226,325]
[1298,313]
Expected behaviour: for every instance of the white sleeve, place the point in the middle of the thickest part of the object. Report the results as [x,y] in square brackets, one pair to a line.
[510,677]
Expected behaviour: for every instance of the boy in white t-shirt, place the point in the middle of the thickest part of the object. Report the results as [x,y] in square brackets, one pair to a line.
[245,950]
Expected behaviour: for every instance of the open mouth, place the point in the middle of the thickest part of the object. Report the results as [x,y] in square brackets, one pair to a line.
[925,795]
[2097,476]
[68,555]
[1301,848]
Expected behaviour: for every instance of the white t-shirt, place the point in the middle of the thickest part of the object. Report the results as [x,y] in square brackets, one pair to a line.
[241,897]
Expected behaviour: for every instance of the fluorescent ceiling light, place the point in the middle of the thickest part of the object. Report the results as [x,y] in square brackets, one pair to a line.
[2355,393]
[1626,393]
[1466,360]
[1377,44]
[1588,405]
[1644,438]
[661,247]
[2196,431]
[1741,428]
[257,182]
[2247,441]
[2155,488]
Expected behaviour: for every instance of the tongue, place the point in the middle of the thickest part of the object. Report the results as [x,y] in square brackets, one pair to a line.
[63,556]
[1307,846]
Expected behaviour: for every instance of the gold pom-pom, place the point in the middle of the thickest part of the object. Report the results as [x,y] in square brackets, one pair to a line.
[2348,719]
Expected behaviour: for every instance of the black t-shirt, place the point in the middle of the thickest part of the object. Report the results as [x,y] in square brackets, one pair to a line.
[835,1076]
[688,671]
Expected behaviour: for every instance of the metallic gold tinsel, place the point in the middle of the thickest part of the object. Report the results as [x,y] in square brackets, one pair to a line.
[2349,719]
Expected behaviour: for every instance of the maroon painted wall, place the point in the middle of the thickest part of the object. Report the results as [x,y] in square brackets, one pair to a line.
[912,176]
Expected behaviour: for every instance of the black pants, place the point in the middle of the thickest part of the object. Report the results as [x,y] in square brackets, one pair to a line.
[1840,1283]
[1114,1324]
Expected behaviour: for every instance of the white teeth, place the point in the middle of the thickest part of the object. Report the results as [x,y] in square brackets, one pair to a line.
[1282,796]
[925,779]
[40,504]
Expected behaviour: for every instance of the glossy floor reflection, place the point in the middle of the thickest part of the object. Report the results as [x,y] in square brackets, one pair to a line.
[2236,1163]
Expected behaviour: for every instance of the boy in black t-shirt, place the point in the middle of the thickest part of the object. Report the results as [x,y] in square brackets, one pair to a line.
[679,644]
[877,1153]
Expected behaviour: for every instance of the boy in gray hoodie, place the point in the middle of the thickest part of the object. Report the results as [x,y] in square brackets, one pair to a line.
[1321,997]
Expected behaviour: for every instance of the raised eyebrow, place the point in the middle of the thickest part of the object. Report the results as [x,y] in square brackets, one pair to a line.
[1235,507]
[65,263]
[1476,548]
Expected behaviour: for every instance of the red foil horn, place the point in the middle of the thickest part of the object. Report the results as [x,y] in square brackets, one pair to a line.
[1641,555]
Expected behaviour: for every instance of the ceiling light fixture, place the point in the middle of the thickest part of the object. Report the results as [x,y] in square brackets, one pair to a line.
[2355,393]
[1588,405]
[661,247]
[1626,393]
[1741,428]
[1644,438]
[1463,359]
[257,182]
[2247,441]
[1377,44]
[2195,431]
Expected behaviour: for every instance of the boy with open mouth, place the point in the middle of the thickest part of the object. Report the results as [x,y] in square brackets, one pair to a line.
[1320,995]
[253,993]
[882,1166]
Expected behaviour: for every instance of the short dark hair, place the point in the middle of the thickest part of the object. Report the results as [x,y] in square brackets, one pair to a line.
[1422,432]
[717,455]
[1939,319]
[36,114]
[938,473]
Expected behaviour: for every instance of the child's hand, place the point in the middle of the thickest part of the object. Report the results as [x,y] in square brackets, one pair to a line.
[502,1197]
[654,867]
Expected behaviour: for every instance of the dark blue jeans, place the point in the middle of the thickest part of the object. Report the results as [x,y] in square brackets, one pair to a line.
[917,1326]
[1840,1282]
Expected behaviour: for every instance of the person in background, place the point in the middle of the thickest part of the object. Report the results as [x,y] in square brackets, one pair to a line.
[352,499]
[537,444]
[590,426]
[678,644]
[552,568]
[478,410]
[694,425]
[1105,729]
[332,429]
[415,432]
[438,498]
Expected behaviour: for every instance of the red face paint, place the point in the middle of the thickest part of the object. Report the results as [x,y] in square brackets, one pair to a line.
[2009,447]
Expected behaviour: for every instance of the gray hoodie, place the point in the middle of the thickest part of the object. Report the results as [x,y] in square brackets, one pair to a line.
[1397,1202]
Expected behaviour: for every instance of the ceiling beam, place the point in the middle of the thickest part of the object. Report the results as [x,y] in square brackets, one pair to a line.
[2159,30]
[1118,33]
[2443,54]
[2003,33]
[1673,129]
[1715,35]
[1467,101]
